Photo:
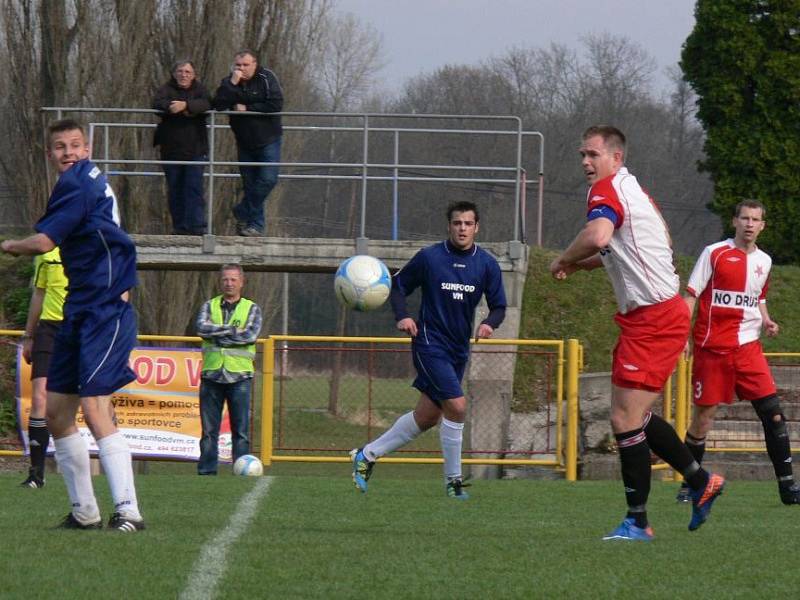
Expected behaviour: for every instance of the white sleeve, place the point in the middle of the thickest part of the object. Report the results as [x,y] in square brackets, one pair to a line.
[701,274]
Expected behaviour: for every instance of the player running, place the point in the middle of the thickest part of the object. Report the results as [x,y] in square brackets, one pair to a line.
[626,234]
[731,279]
[90,356]
[453,276]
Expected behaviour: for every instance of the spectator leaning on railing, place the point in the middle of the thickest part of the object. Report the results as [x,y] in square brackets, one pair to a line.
[181,135]
[253,88]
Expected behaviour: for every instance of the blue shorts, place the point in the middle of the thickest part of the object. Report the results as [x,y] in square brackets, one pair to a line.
[437,377]
[90,355]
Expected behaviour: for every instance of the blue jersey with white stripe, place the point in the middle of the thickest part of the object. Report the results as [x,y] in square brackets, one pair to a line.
[82,218]
[452,283]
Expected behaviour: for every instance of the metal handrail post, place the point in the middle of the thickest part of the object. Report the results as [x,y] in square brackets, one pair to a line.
[395,183]
[210,208]
[523,209]
[516,183]
[105,142]
[364,178]
[541,192]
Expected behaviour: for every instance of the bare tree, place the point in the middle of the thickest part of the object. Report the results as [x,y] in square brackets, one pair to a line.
[111,53]
[347,62]
[559,92]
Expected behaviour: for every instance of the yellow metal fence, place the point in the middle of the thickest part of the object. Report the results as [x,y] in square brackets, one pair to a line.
[737,429]
[553,380]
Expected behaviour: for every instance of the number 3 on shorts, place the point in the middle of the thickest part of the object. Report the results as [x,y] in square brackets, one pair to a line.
[698,389]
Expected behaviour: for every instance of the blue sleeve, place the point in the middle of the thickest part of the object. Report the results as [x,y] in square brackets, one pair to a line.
[603,211]
[404,282]
[494,291]
[495,317]
[65,210]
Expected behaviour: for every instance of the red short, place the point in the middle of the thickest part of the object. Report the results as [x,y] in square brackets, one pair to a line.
[651,340]
[715,377]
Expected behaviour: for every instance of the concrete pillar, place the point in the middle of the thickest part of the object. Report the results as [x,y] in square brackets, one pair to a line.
[490,379]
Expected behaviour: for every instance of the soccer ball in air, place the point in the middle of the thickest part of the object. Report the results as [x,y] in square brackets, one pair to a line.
[362,282]
[248,465]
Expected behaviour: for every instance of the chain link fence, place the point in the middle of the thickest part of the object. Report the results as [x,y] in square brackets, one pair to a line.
[330,395]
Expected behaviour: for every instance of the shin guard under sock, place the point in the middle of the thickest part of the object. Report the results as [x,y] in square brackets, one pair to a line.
[38,439]
[634,458]
[668,446]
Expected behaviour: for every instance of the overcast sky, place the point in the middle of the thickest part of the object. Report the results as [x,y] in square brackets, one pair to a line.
[422,35]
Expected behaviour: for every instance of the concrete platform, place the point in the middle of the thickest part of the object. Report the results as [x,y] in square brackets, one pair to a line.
[294,255]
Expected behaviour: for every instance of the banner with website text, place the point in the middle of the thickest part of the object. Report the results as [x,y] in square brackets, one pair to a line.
[158,413]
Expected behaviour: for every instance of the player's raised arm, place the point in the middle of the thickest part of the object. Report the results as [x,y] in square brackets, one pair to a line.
[582,253]
[38,243]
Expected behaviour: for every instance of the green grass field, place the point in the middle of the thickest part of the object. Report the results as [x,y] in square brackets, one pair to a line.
[312,535]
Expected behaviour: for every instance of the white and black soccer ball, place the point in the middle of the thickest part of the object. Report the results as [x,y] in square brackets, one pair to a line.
[362,282]
[248,465]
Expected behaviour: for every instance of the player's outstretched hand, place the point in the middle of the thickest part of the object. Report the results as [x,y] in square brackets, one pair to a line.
[6,246]
[559,270]
[484,331]
[408,325]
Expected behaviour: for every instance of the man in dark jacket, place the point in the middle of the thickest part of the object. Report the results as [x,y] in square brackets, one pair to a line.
[252,88]
[181,135]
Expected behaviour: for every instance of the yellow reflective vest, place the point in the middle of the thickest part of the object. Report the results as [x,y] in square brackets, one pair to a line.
[237,359]
[49,276]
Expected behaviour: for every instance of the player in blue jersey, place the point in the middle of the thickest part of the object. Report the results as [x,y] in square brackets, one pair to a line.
[90,355]
[453,276]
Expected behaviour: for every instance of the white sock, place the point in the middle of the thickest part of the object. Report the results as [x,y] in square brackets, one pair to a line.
[451,435]
[403,431]
[72,456]
[115,456]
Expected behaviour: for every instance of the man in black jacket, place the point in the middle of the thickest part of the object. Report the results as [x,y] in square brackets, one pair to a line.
[181,135]
[252,88]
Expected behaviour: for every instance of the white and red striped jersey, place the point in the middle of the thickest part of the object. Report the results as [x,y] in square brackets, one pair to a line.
[639,257]
[729,284]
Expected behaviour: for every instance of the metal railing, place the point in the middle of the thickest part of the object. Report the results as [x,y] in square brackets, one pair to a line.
[366,170]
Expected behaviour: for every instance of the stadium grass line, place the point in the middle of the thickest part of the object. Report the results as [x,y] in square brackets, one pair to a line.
[210,566]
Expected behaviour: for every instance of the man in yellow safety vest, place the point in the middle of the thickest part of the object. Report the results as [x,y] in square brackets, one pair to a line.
[229,325]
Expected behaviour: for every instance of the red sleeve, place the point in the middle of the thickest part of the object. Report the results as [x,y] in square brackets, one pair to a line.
[603,193]
[763,296]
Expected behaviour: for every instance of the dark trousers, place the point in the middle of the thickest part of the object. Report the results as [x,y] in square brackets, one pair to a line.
[185,192]
[213,396]
[257,182]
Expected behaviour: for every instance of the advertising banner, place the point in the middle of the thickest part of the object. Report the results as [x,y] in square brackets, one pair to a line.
[158,413]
